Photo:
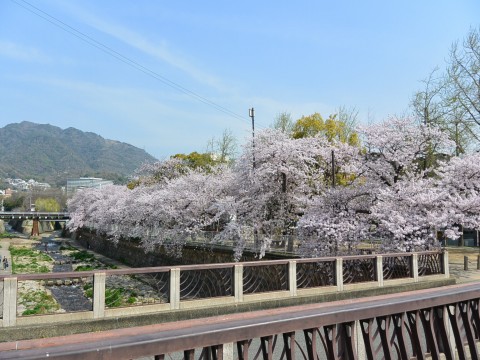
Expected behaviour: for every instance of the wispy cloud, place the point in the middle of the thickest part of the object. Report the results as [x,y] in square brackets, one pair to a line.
[159,50]
[22,53]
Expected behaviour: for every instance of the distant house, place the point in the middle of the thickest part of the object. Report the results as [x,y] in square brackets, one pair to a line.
[85,182]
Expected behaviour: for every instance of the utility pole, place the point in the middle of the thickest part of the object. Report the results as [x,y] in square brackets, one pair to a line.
[251,113]
[333,168]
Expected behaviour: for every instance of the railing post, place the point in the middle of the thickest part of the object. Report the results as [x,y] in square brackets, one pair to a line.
[339,273]
[379,268]
[174,288]
[292,277]
[450,332]
[238,283]
[99,295]
[415,267]
[446,267]
[227,350]
[360,344]
[10,301]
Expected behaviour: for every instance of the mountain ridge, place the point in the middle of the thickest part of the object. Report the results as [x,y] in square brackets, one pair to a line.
[50,154]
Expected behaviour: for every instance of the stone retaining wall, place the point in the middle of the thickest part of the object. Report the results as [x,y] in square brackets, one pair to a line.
[132,254]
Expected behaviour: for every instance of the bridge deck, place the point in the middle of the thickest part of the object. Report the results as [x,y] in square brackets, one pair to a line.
[187,335]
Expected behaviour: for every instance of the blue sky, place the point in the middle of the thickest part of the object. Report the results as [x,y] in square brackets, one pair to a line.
[299,57]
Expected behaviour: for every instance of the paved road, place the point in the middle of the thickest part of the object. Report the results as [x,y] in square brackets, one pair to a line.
[457,271]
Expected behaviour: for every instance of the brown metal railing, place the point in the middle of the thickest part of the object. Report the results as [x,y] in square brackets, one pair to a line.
[108,293]
[441,323]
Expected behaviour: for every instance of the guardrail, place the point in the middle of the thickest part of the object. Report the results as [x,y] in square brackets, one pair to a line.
[29,215]
[429,324]
[113,293]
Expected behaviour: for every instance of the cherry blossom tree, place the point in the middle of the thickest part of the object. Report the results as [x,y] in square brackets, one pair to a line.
[272,195]
[164,213]
[273,192]
[160,172]
[407,214]
[329,194]
[335,221]
[389,196]
[396,148]
[460,178]
[411,212]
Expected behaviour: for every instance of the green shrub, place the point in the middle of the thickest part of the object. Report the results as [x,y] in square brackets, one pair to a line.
[89,293]
[114,297]
[38,302]
[43,269]
[33,257]
[85,268]
[82,256]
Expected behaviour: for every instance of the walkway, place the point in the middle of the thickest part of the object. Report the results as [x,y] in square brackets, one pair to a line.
[456,264]
[4,245]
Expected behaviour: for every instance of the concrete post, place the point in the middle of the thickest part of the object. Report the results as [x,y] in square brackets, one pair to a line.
[238,283]
[292,277]
[174,288]
[227,351]
[415,267]
[446,267]
[450,334]
[465,263]
[361,352]
[9,301]
[99,295]
[379,268]
[339,273]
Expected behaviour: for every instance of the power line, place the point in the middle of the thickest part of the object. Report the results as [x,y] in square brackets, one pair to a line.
[108,50]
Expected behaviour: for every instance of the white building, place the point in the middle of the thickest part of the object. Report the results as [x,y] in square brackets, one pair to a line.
[85,182]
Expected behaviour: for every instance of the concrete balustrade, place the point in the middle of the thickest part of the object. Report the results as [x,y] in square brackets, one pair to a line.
[437,264]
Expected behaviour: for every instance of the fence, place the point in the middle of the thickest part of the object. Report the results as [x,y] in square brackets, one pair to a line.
[430,324]
[113,293]
[252,242]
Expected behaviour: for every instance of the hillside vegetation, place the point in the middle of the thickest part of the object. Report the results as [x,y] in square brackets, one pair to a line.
[50,154]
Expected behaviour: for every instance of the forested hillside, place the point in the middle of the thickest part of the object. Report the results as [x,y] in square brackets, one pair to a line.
[51,154]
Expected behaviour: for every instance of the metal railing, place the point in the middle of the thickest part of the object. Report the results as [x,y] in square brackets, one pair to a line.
[108,293]
[251,242]
[29,215]
[441,323]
